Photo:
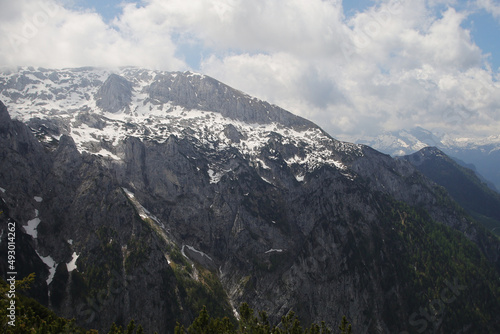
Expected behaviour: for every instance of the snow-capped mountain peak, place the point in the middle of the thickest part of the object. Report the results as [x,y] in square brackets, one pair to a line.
[100,108]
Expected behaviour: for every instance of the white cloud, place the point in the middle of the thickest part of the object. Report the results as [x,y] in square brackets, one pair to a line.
[397,64]
[490,6]
[392,72]
[43,33]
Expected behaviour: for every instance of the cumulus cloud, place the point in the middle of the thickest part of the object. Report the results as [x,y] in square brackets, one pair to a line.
[396,64]
[44,33]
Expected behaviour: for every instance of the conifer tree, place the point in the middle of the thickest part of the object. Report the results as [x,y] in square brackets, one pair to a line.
[345,326]
[130,327]
[201,324]
[115,329]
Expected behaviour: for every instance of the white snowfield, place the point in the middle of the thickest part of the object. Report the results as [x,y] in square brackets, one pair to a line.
[32,226]
[272,250]
[72,264]
[51,264]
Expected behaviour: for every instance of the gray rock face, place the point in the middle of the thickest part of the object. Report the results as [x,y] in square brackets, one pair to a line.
[233,134]
[4,116]
[82,211]
[200,92]
[115,94]
[235,191]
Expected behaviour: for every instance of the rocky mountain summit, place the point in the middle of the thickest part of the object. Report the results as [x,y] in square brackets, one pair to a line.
[149,194]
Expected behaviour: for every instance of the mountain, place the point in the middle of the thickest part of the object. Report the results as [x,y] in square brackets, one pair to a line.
[398,143]
[145,195]
[481,155]
[462,183]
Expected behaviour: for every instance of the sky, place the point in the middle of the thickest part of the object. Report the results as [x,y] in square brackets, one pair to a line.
[356,68]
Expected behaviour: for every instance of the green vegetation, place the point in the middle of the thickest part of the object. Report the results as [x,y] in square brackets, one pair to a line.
[33,318]
[30,316]
[204,291]
[131,329]
[138,253]
[437,257]
[109,261]
[249,323]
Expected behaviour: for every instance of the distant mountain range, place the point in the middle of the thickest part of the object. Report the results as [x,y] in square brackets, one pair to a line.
[140,194]
[483,154]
